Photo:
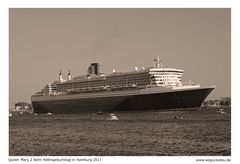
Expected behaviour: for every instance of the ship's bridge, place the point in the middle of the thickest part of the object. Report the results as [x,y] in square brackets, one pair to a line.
[166,76]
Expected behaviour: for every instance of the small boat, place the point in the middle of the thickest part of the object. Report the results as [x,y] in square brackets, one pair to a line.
[177,117]
[221,111]
[113,117]
[49,113]
[99,112]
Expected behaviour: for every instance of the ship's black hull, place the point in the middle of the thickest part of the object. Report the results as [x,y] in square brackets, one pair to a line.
[168,100]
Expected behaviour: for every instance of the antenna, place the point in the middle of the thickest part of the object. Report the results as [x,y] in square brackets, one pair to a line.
[158,62]
[60,78]
[69,76]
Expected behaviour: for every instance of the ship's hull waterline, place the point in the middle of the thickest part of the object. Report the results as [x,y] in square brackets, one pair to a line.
[152,101]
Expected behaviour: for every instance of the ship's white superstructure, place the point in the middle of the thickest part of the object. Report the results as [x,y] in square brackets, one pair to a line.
[94,81]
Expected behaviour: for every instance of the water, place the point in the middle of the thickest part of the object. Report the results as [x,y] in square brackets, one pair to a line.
[146,133]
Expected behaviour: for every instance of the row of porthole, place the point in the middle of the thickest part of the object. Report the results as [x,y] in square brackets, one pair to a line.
[104,83]
[83,86]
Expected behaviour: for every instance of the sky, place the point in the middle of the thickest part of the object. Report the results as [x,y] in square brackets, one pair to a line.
[43,41]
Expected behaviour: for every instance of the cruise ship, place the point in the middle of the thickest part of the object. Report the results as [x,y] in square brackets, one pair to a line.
[146,88]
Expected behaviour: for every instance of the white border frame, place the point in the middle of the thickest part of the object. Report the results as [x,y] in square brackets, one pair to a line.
[235,41]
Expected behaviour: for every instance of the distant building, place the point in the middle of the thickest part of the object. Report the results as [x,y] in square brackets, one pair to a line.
[23,107]
[212,103]
[225,101]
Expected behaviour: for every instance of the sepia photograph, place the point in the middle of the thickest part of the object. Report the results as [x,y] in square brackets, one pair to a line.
[120,82]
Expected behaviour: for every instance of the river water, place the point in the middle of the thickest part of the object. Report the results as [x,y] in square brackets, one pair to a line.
[198,132]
